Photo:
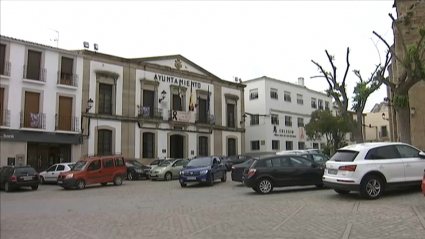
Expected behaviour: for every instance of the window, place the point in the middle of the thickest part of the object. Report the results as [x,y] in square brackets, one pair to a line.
[322,145]
[60,168]
[385,152]
[407,152]
[108,163]
[52,168]
[275,144]
[104,142]
[3,59]
[301,145]
[300,162]
[119,162]
[148,151]
[320,103]
[384,132]
[327,105]
[313,103]
[319,158]
[300,122]
[148,104]
[231,115]
[203,146]
[255,145]
[177,102]
[105,99]
[344,156]
[289,145]
[275,119]
[273,94]
[253,94]
[288,121]
[255,120]
[315,145]
[287,96]
[300,100]
[231,147]
[95,165]
[66,73]
[33,67]
[181,163]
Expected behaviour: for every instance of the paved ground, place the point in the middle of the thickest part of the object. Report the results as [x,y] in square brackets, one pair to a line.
[164,210]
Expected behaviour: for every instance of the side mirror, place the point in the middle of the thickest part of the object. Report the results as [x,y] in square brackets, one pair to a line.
[422,154]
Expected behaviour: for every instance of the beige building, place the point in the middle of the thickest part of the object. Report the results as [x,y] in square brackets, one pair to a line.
[377,124]
[416,93]
[158,107]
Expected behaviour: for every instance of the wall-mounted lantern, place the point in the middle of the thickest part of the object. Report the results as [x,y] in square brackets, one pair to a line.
[89,105]
[163,93]
[412,110]
[383,117]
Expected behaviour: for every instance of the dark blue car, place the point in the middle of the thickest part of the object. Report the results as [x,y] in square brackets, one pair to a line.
[203,170]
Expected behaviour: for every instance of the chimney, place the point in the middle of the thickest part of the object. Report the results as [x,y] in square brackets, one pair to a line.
[301,81]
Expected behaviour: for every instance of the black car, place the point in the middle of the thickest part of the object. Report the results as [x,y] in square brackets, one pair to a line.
[280,171]
[237,159]
[136,170]
[318,158]
[226,161]
[14,177]
[237,170]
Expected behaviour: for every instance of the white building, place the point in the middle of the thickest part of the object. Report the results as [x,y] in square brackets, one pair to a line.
[40,104]
[377,124]
[137,110]
[276,112]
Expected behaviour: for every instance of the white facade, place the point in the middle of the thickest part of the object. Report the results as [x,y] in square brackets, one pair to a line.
[51,85]
[271,98]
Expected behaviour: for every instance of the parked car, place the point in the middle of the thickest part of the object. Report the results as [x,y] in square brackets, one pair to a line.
[227,162]
[237,159]
[203,170]
[136,170]
[373,168]
[102,169]
[51,174]
[237,170]
[297,152]
[168,169]
[318,158]
[314,151]
[158,161]
[268,172]
[14,177]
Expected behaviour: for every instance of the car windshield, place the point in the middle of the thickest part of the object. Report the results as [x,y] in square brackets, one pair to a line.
[156,162]
[79,166]
[71,165]
[249,161]
[344,156]
[165,163]
[134,163]
[200,162]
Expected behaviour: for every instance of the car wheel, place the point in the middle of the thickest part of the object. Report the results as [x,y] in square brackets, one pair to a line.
[372,187]
[34,187]
[130,176]
[224,178]
[103,184]
[211,180]
[6,187]
[42,181]
[81,184]
[117,181]
[342,192]
[168,176]
[183,185]
[265,186]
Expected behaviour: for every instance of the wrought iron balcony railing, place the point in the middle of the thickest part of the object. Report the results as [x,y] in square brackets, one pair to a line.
[5,68]
[5,118]
[33,120]
[66,123]
[67,79]
[34,74]
[148,112]
[205,119]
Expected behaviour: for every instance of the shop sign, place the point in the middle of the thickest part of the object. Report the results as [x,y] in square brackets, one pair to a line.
[177,81]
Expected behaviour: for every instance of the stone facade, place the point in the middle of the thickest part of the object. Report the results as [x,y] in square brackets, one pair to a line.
[416,98]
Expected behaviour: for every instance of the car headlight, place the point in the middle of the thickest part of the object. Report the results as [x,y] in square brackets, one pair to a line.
[70,175]
[203,172]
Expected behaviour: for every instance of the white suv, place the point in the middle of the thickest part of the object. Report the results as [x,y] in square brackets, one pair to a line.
[371,168]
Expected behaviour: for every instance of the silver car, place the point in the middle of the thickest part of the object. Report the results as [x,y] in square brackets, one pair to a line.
[168,169]
[51,174]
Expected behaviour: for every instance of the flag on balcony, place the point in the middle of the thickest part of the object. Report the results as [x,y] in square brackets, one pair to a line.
[191,105]
[208,100]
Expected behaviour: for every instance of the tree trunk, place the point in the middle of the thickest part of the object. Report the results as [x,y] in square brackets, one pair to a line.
[403,125]
[358,129]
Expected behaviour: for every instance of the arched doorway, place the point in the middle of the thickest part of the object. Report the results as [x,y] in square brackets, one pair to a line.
[177,146]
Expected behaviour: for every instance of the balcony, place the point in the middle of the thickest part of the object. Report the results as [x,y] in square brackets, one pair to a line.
[147,112]
[5,68]
[33,120]
[205,119]
[5,118]
[66,123]
[67,79]
[34,74]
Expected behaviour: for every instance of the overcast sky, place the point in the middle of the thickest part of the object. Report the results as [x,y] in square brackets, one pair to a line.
[247,39]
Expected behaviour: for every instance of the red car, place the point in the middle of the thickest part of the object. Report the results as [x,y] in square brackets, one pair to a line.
[423,184]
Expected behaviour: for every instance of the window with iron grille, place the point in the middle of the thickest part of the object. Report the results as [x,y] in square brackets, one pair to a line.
[313,103]
[231,115]
[274,94]
[384,132]
[327,105]
[33,70]
[289,145]
[320,103]
[315,145]
[288,121]
[203,146]
[255,120]
[255,145]
[231,147]
[2,59]
[287,96]
[275,144]
[104,142]
[105,99]
[301,145]
[148,150]
[275,119]
[253,94]
[300,100]
[300,122]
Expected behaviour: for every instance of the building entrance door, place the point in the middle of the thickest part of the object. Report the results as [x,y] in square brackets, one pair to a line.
[176,146]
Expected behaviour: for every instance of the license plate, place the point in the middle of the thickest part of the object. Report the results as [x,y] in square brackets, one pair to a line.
[27,178]
[332,171]
[191,178]
[60,182]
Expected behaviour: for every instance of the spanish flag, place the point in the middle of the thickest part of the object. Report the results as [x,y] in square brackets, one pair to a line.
[191,105]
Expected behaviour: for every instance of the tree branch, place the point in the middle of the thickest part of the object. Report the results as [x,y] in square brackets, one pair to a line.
[346,70]
[333,67]
[398,30]
[324,74]
[389,48]
[357,73]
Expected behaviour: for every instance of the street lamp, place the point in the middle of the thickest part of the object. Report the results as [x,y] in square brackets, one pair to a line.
[383,117]
[163,93]
[89,105]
